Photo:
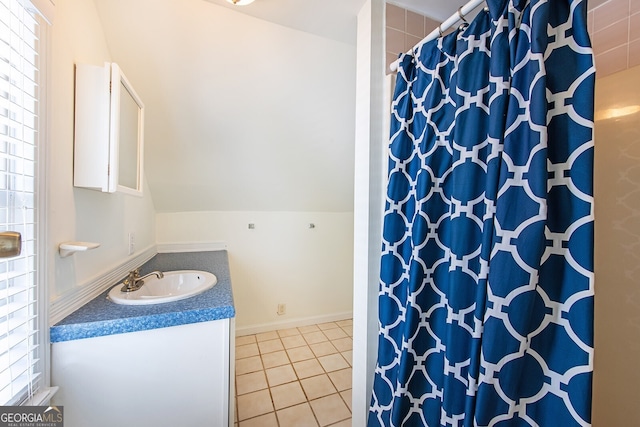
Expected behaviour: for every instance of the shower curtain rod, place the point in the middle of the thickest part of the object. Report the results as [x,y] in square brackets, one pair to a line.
[450,22]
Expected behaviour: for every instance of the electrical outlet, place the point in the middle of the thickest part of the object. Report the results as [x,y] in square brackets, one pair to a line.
[282,309]
[132,242]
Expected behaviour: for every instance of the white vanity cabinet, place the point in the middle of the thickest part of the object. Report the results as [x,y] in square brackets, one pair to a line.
[109,131]
[166,377]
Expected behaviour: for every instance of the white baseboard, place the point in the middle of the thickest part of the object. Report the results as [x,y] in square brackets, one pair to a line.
[292,323]
[65,304]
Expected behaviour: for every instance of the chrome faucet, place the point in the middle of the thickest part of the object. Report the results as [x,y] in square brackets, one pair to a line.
[133,282]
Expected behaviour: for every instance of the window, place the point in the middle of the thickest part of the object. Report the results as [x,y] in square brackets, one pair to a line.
[22,345]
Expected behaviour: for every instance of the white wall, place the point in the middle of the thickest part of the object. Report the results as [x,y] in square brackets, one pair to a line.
[280,261]
[242,114]
[73,213]
[372,114]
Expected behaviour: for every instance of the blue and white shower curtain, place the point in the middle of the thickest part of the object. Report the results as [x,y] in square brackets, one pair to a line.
[486,297]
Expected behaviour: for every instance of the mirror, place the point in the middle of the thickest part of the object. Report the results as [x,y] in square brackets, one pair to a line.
[127,134]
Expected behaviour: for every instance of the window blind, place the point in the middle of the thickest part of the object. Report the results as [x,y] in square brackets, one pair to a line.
[20,351]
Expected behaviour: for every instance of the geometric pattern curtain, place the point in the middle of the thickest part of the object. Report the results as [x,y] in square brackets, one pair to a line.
[487,286]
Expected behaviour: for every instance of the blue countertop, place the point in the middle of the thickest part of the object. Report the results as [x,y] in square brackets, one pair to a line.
[101,317]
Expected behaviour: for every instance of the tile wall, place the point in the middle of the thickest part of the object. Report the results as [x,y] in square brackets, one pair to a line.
[404,29]
[617,260]
[614,26]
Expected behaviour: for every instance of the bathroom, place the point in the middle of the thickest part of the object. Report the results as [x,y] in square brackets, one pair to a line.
[287,223]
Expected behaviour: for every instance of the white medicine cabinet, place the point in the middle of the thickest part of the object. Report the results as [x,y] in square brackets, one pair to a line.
[109,131]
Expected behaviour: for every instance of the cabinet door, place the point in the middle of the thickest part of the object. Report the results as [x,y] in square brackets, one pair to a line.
[91,139]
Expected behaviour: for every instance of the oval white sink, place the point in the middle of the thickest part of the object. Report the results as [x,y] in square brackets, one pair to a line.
[174,286]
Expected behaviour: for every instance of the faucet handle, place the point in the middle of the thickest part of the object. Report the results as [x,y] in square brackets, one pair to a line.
[133,275]
[132,282]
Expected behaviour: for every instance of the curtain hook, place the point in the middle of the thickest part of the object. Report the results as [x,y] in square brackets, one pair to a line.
[440,29]
[461,15]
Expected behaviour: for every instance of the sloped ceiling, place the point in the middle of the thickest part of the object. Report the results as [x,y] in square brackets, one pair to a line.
[247,108]
[334,19]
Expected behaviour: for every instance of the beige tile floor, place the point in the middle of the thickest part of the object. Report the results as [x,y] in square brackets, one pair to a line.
[295,377]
